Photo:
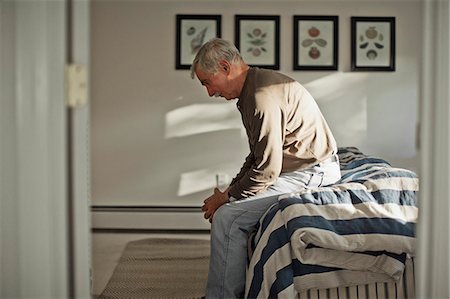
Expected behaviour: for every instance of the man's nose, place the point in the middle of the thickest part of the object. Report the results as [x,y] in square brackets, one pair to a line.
[210,92]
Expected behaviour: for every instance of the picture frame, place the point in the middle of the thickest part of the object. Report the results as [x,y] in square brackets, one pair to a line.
[373,44]
[258,39]
[316,42]
[192,31]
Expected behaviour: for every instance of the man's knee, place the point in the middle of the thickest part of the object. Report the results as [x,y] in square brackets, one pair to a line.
[221,216]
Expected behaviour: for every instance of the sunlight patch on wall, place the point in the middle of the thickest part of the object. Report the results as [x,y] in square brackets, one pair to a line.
[205,179]
[343,100]
[355,124]
[202,118]
[336,86]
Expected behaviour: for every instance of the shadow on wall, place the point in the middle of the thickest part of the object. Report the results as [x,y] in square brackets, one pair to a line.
[341,96]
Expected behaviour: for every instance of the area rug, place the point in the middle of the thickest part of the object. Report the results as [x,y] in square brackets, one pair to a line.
[160,268]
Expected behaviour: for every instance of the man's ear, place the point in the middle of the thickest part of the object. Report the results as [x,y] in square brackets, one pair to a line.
[225,66]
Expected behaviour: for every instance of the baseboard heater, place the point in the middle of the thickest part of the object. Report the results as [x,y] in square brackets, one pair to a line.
[148,219]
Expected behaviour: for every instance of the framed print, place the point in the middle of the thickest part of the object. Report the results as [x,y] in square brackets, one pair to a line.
[316,42]
[258,39]
[192,32]
[373,43]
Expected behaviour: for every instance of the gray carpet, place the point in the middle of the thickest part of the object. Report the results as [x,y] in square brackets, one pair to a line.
[160,268]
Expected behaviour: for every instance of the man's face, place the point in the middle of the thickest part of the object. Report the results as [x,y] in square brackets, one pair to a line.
[216,84]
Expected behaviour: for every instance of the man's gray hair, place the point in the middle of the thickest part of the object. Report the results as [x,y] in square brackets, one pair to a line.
[213,51]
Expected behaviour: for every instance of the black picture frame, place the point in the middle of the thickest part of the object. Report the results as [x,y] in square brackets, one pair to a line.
[316,42]
[192,31]
[258,39]
[373,44]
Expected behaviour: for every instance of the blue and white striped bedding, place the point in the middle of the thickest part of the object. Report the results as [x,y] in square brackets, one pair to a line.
[357,231]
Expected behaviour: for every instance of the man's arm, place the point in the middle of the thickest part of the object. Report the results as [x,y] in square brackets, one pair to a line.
[266,150]
[249,161]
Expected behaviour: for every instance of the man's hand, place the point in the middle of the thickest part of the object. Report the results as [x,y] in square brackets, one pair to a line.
[212,203]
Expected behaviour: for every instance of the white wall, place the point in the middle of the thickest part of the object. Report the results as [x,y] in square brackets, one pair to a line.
[137,94]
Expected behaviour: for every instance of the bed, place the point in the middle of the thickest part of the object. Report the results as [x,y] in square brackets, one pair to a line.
[354,239]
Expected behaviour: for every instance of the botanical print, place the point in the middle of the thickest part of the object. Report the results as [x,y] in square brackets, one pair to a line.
[373,44]
[198,37]
[194,33]
[316,42]
[257,42]
[312,39]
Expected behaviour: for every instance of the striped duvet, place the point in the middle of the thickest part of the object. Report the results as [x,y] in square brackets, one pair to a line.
[358,231]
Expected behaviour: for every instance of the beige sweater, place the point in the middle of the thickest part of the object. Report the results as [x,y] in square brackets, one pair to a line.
[285,128]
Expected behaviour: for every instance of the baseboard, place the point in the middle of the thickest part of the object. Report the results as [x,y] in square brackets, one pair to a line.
[148,218]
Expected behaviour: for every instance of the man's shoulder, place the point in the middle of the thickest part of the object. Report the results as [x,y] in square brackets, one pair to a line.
[266,77]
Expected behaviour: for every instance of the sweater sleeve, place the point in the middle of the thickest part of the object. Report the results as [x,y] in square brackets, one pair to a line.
[264,164]
[244,169]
